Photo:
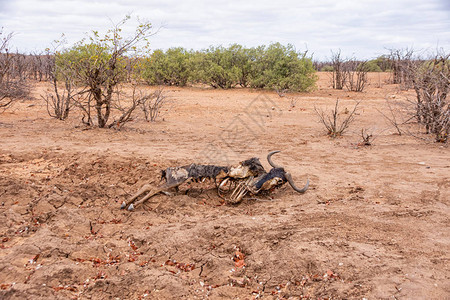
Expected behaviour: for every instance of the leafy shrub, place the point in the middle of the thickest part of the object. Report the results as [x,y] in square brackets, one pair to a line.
[370,66]
[99,67]
[282,67]
[273,67]
[217,68]
[242,59]
[327,68]
[170,68]
[86,61]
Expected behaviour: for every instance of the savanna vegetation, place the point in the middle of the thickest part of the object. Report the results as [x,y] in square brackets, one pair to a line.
[269,67]
[90,75]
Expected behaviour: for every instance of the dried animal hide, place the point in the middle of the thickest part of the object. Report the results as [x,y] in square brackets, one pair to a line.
[194,172]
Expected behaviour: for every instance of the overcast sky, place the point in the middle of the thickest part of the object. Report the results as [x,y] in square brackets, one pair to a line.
[361,28]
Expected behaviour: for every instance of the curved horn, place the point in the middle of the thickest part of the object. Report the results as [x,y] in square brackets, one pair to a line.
[291,182]
[269,159]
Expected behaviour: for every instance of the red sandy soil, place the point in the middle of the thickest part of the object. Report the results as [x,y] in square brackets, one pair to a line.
[374,223]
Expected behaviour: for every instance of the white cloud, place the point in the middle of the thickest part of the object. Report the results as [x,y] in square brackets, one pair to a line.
[361,28]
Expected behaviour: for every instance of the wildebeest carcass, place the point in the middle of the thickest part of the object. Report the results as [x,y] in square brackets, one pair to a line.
[233,183]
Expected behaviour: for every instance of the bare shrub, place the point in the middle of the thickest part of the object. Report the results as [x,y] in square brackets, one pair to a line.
[20,67]
[397,115]
[339,76]
[356,75]
[348,72]
[431,82]
[338,121]
[152,104]
[126,110]
[400,59]
[430,79]
[367,138]
[59,103]
[40,66]
[65,95]
[11,91]
[12,86]
[121,102]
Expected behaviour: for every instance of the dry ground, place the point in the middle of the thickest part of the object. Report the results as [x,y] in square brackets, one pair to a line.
[374,224]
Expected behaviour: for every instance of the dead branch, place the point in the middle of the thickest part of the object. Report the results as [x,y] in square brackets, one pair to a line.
[60,103]
[356,75]
[366,137]
[339,76]
[393,117]
[137,98]
[152,104]
[430,80]
[12,87]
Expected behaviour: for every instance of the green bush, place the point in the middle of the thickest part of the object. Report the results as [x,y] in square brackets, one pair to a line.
[383,62]
[282,67]
[370,66]
[242,60]
[272,67]
[222,67]
[170,68]
[327,68]
[218,68]
[85,60]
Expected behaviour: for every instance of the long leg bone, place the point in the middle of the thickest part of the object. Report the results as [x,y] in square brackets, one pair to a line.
[159,189]
[175,177]
[146,188]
